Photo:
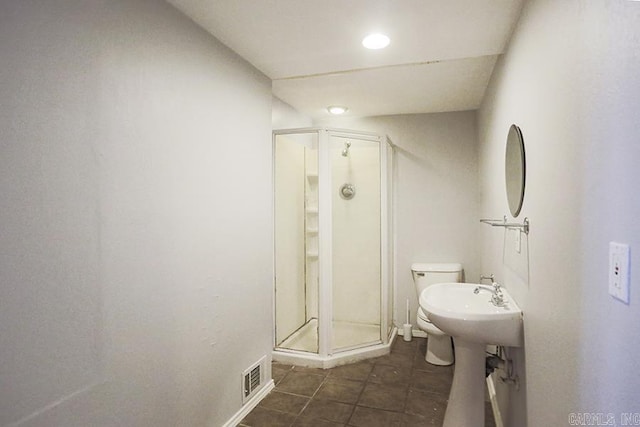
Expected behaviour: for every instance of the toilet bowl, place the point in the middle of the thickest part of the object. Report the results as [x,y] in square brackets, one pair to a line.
[439,346]
[439,350]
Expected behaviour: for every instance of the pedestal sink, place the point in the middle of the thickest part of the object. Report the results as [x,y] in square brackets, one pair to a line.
[466,312]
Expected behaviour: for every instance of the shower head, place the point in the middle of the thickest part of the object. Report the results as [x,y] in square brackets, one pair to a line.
[345,152]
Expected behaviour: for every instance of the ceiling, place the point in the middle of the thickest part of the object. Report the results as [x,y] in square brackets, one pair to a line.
[441,55]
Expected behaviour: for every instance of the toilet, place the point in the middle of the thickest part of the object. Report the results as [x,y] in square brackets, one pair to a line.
[439,348]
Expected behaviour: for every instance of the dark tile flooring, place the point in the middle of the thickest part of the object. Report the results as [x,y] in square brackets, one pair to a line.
[400,389]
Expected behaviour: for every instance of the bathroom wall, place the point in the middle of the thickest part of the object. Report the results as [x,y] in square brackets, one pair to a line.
[284,116]
[570,80]
[435,190]
[136,255]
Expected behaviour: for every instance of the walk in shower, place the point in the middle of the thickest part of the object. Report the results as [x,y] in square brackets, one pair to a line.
[333,246]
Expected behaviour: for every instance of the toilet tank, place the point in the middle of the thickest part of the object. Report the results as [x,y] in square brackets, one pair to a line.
[429,274]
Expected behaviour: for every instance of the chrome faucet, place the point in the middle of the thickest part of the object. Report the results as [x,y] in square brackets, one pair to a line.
[482,277]
[497,298]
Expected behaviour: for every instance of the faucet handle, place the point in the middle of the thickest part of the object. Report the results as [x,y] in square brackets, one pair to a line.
[489,277]
[498,298]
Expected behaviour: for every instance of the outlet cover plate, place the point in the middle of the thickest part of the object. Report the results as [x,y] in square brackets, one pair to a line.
[619,271]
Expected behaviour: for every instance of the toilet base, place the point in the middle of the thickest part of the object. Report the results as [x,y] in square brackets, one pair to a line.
[439,350]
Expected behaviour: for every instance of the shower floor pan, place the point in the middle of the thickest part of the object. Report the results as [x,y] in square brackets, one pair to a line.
[351,342]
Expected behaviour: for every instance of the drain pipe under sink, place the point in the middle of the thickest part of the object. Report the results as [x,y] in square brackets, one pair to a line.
[497,361]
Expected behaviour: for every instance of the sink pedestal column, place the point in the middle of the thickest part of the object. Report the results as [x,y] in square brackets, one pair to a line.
[466,400]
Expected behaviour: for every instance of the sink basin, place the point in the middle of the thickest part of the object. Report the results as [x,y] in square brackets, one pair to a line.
[465,310]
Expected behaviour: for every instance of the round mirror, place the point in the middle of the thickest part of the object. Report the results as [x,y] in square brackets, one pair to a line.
[515,170]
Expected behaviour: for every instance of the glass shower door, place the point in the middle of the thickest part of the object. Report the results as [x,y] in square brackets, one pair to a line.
[296,240]
[355,241]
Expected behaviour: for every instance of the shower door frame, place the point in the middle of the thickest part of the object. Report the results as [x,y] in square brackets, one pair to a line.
[325,271]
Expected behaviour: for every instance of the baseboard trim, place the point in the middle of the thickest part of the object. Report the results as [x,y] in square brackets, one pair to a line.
[491,388]
[252,403]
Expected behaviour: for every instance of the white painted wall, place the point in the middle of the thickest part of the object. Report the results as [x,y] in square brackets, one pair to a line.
[136,243]
[284,116]
[570,79]
[436,198]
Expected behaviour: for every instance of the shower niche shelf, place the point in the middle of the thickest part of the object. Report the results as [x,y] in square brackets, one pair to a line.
[311,210]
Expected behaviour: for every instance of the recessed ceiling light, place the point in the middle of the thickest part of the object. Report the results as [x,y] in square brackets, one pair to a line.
[376,41]
[337,110]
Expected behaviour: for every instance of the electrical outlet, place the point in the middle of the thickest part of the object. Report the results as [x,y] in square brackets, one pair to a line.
[619,271]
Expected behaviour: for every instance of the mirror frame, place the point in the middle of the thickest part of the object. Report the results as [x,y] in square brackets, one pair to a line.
[515,170]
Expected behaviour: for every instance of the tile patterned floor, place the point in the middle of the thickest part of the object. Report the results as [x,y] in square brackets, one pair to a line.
[397,390]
